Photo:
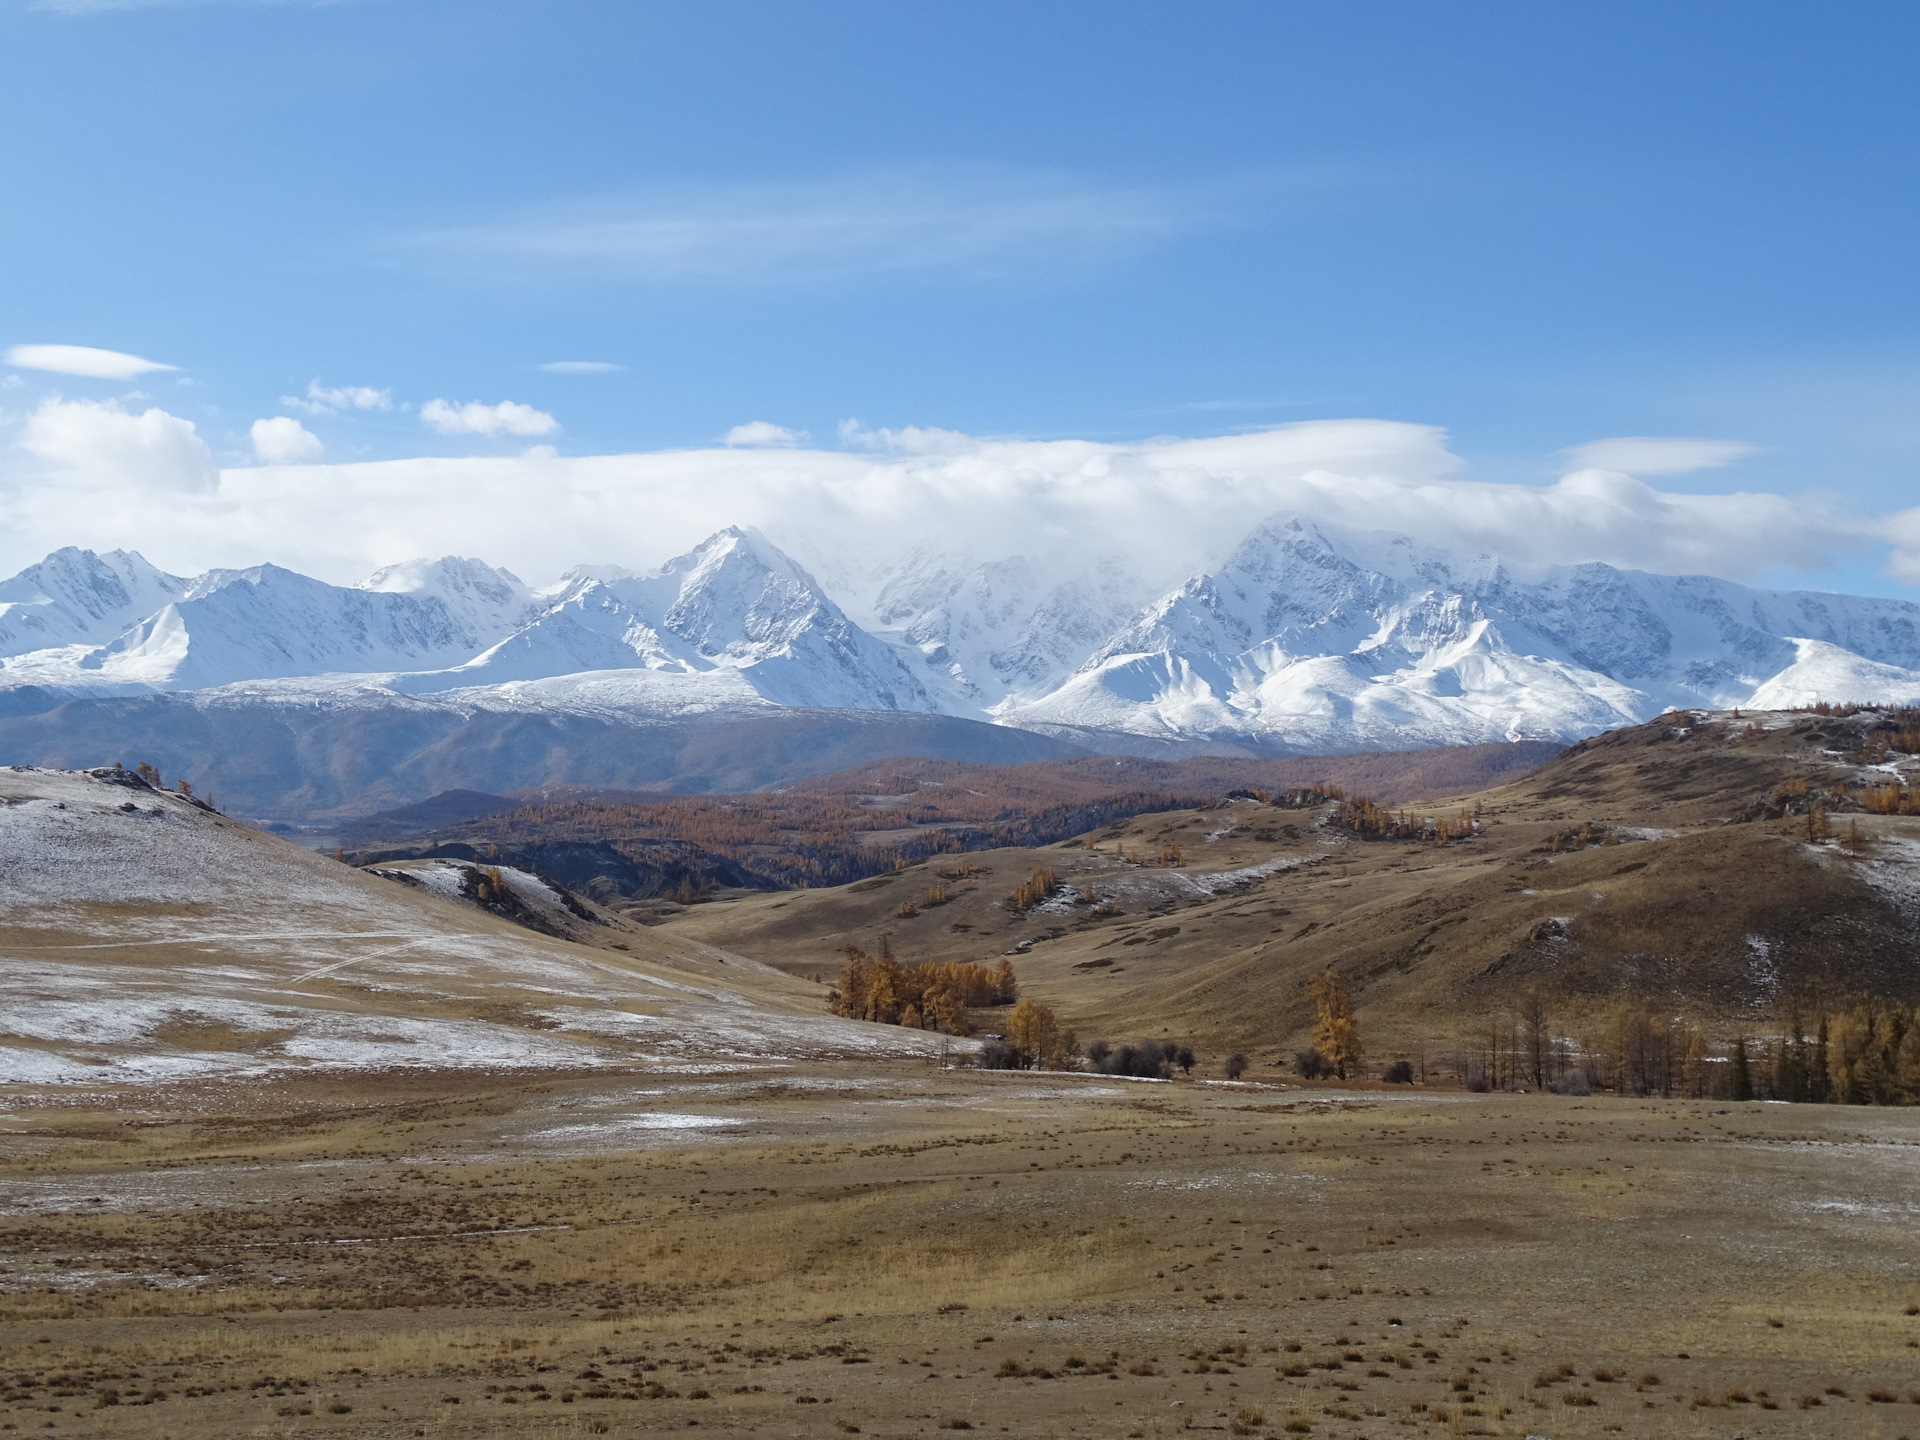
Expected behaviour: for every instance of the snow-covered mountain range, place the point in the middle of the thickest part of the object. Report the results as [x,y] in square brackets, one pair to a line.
[1305,638]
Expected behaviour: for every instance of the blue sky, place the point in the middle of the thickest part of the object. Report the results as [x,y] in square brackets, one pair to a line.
[1532,225]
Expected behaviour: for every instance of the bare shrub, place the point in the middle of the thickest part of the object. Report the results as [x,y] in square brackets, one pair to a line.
[1400,1072]
[997,1054]
[1149,1060]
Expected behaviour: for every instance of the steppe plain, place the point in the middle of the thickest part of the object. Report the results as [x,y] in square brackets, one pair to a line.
[903,1249]
[762,1235]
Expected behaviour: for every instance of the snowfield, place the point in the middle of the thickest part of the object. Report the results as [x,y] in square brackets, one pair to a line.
[143,938]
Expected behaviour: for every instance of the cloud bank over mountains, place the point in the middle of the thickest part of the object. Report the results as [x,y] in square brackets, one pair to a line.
[102,475]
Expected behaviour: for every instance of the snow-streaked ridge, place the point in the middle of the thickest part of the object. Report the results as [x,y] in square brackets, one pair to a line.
[1306,637]
[1310,637]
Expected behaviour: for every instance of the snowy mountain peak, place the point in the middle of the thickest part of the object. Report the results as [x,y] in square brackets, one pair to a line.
[75,596]
[451,574]
[1306,637]
[734,602]
[1309,637]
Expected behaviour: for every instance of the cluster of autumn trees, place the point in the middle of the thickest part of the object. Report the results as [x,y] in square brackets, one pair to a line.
[1035,888]
[924,995]
[1889,799]
[1035,1040]
[1866,1054]
[1369,820]
[1376,822]
[151,774]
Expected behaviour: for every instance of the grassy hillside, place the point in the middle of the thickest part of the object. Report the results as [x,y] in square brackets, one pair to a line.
[1675,869]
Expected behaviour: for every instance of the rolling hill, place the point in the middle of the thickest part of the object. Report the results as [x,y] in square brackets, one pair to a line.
[1670,868]
[144,938]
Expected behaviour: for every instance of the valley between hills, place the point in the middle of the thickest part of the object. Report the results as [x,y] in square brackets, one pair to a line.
[434,1146]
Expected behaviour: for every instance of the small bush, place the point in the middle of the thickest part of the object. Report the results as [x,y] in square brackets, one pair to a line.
[1297,1424]
[1573,1082]
[1883,1397]
[1246,1420]
[1578,1397]
[1149,1060]
[1400,1072]
[997,1054]
[1010,1369]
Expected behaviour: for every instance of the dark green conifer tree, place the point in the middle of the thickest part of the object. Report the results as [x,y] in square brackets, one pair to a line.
[1739,1078]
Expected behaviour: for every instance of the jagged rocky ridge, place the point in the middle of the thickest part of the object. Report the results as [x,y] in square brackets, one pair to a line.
[1306,638]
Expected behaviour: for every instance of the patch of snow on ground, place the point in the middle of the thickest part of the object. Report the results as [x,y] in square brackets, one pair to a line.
[1892,867]
[144,939]
[1156,885]
[1763,970]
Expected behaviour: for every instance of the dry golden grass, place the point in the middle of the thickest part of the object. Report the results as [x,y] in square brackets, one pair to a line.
[900,1249]
[1433,939]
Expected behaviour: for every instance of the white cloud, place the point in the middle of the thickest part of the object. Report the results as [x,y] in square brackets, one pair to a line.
[907,440]
[285,441]
[977,219]
[581,367]
[764,434]
[103,446]
[1655,454]
[329,400]
[82,360]
[1165,507]
[473,418]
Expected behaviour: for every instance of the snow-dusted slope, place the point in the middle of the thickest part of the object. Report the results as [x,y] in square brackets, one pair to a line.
[75,597]
[144,939]
[1314,638]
